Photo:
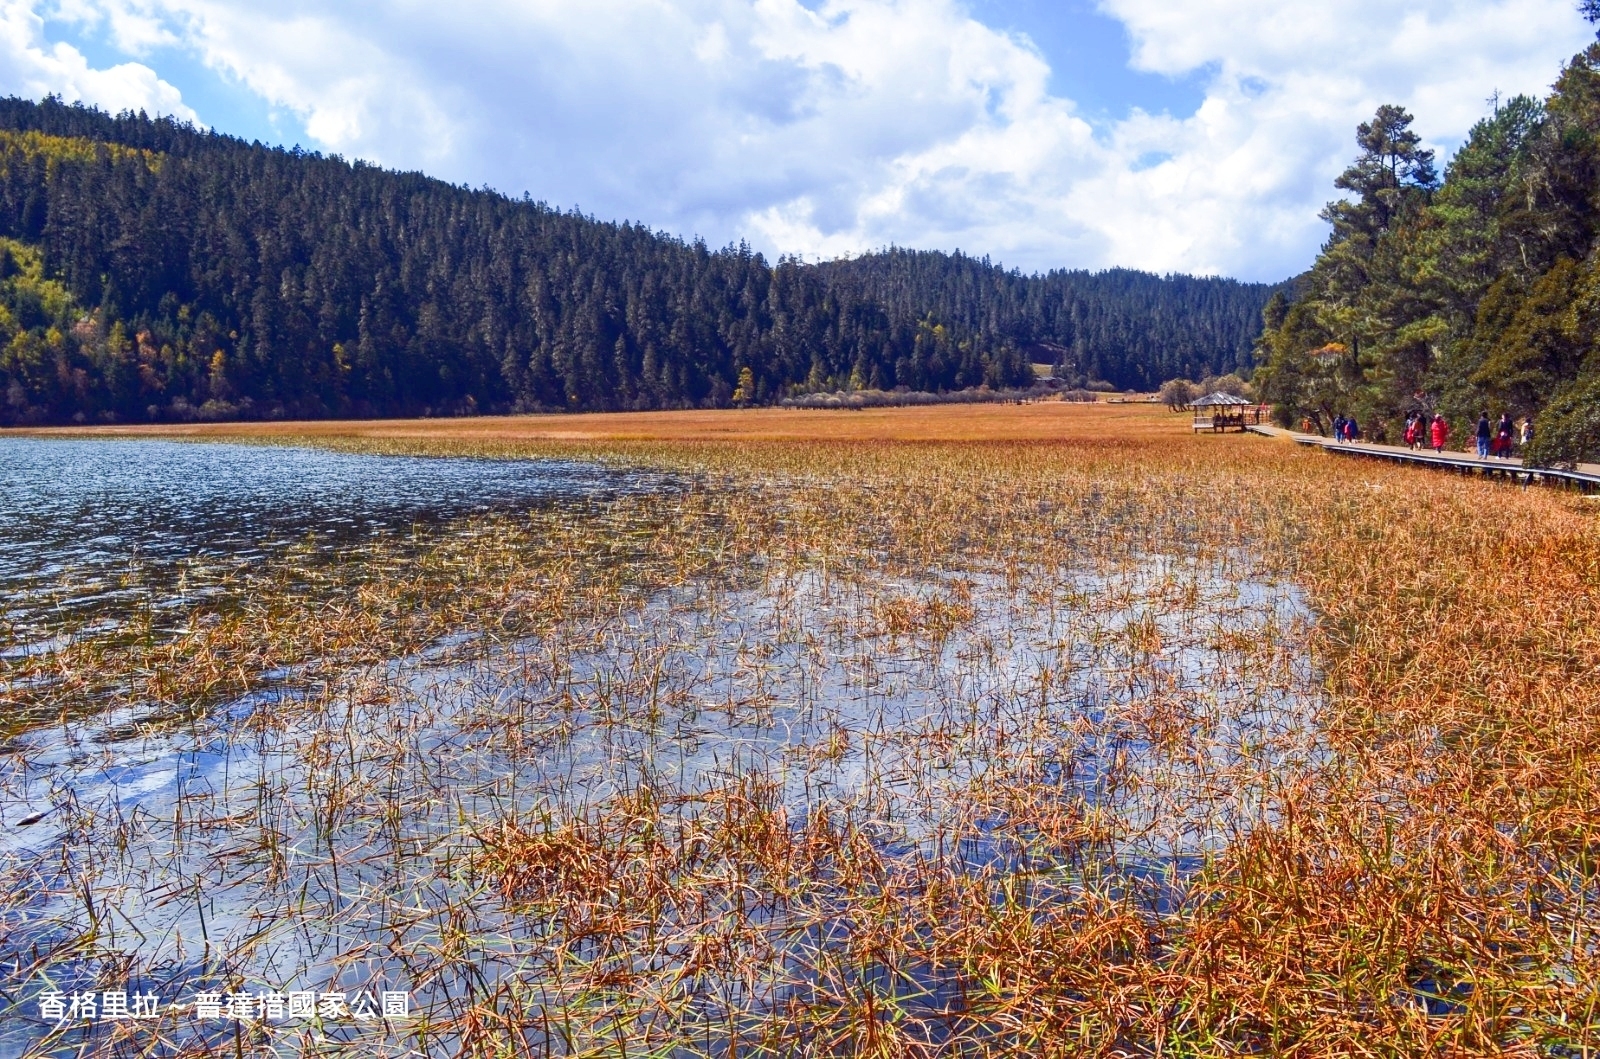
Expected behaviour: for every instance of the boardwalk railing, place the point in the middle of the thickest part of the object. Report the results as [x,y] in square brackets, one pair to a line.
[1585,477]
[1230,417]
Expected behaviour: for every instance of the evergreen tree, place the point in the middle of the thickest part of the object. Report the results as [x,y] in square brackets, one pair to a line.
[1480,292]
[155,271]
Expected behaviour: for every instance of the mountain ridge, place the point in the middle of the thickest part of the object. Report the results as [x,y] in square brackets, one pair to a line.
[152,271]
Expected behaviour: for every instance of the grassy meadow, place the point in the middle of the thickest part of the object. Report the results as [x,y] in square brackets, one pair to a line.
[965,730]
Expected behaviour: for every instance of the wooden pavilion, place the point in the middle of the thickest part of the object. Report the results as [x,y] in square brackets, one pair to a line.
[1223,411]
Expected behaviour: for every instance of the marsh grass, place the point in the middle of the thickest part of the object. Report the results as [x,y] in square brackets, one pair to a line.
[862,749]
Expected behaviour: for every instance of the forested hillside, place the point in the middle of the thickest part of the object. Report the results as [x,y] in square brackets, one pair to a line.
[1478,293]
[150,271]
[1129,328]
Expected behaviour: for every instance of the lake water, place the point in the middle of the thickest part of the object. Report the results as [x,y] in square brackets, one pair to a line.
[330,845]
[89,528]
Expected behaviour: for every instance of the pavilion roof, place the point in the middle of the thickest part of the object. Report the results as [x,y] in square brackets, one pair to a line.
[1221,400]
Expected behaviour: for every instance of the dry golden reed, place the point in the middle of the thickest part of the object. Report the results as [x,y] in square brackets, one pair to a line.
[1409,867]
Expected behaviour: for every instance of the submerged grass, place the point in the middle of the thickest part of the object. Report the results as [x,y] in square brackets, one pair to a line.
[864,747]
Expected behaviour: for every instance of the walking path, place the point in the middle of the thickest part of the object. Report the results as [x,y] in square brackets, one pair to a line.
[1585,476]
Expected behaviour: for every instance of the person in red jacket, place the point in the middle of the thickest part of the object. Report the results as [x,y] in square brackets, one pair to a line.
[1440,432]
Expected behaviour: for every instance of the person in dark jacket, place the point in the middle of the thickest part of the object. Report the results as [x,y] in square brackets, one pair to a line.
[1503,432]
[1483,436]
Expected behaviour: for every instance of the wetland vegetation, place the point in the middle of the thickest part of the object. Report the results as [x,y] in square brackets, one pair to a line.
[1069,734]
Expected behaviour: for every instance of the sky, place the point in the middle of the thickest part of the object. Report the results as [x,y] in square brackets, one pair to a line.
[1201,136]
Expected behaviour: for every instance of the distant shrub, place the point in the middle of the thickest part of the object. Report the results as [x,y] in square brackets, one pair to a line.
[1178,393]
[1230,383]
[905,398]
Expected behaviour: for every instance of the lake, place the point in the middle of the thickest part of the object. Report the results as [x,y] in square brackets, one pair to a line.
[341,832]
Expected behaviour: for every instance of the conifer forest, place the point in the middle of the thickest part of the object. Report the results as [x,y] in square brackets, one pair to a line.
[150,271]
[1478,293]
[880,685]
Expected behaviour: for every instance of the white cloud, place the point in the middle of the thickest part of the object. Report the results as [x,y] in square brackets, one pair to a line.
[134,28]
[29,66]
[836,126]
[1291,82]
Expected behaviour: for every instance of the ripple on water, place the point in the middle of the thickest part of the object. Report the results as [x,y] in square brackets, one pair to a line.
[92,528]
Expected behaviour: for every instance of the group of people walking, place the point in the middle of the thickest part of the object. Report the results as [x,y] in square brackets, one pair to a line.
[1421,431]
[1501,439]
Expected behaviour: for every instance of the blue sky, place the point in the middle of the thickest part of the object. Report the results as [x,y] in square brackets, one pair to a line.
[1200,137]
[1089,55]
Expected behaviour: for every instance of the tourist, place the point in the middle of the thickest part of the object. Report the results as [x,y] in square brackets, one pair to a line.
[1502,435]
[1352,431]
[1338,428]
[1527,433]
[1440,431]
[1411,430]
[1483,435]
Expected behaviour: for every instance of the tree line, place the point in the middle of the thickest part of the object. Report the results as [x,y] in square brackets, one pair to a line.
[153,271]
[1478,293]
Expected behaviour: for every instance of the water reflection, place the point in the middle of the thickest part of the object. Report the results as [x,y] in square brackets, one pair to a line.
[332,833]
[344,821]
[90,528]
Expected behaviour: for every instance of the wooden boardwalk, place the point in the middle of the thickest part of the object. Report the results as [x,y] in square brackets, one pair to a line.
[1585,477]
